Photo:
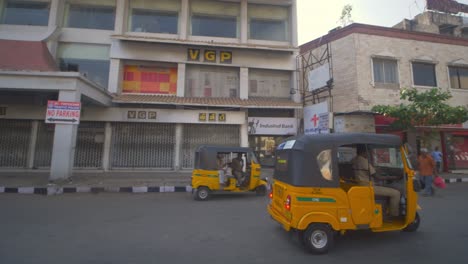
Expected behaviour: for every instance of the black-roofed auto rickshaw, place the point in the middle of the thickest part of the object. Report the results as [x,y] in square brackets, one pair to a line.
[320,187]
[226,169]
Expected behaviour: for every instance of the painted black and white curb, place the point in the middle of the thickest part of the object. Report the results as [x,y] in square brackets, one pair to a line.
[54,190]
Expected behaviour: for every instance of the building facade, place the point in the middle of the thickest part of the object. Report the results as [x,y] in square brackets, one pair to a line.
[370,66]
[155,79]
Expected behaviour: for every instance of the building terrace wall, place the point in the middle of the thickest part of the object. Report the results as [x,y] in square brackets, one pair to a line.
[404,51]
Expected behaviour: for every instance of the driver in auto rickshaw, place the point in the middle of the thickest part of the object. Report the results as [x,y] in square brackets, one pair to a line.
[363,168]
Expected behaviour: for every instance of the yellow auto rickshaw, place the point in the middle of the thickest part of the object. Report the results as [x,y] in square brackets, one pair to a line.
[316,191]
[226,169]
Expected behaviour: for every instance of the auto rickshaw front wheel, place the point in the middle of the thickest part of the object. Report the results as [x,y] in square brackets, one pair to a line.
[414,225]
[202,193]
[317,238]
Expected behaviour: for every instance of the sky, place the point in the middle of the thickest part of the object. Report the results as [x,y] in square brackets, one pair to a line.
[317,17]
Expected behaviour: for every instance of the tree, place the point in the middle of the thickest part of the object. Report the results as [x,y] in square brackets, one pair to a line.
[345,17]
[427,108]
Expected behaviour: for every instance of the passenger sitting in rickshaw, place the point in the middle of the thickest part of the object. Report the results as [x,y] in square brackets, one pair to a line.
[236,166]
[222,169]
[363,168]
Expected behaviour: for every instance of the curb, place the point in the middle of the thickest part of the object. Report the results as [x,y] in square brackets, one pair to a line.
[456,180]
[55,190]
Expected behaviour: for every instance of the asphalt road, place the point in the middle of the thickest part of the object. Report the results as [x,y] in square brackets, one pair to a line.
[172,228]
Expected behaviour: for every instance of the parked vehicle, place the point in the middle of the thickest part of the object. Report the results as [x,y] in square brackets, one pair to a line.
[316,193]
[226,169]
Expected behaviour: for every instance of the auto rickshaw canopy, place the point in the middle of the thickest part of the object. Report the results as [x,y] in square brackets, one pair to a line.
[296,158]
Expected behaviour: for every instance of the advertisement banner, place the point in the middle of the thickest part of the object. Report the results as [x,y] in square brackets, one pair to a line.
[317,119]
[272,126]
[150,80]
[319,77]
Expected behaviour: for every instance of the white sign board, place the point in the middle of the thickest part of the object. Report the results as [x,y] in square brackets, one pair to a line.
[316,119]
[272,126]
[319,77]
[59,112]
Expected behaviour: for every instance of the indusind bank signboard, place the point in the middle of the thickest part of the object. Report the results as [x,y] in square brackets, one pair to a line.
[272,126]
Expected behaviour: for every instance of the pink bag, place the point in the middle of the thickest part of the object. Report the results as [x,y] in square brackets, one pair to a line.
[439,182]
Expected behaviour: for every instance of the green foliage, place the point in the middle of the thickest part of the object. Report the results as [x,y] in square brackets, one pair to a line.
[345,17]
[423,109]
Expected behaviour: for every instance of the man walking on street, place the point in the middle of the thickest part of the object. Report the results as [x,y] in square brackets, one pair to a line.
[437,156]
[427,171]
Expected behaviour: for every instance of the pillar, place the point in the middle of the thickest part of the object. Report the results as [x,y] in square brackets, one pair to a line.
[116,67]
[244,133]
[63,150]
[244,22]
[32,143]
[244,83]
[181,69]
[107,147]
[294,29]
[178,146]
[295,85]
[184,18]
[120,17]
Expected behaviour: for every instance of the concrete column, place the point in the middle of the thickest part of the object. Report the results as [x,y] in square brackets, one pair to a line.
[184,19]
[32,143]
[107,147]
[243,130]
[120,17]
[297,97]
[179,134]
[116,67]
[57,8]
[63,150]
[244,30]
[293,27]
[55,13]
[181,68]
[244,136]
[244,83]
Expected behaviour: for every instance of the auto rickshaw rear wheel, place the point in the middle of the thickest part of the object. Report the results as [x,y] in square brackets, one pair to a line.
[260,190]
[202,193]
[414,225]
[317,238]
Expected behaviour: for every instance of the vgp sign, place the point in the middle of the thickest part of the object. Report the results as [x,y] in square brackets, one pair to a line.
[211,56]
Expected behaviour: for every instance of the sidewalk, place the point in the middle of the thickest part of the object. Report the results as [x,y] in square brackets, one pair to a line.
[37,182]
